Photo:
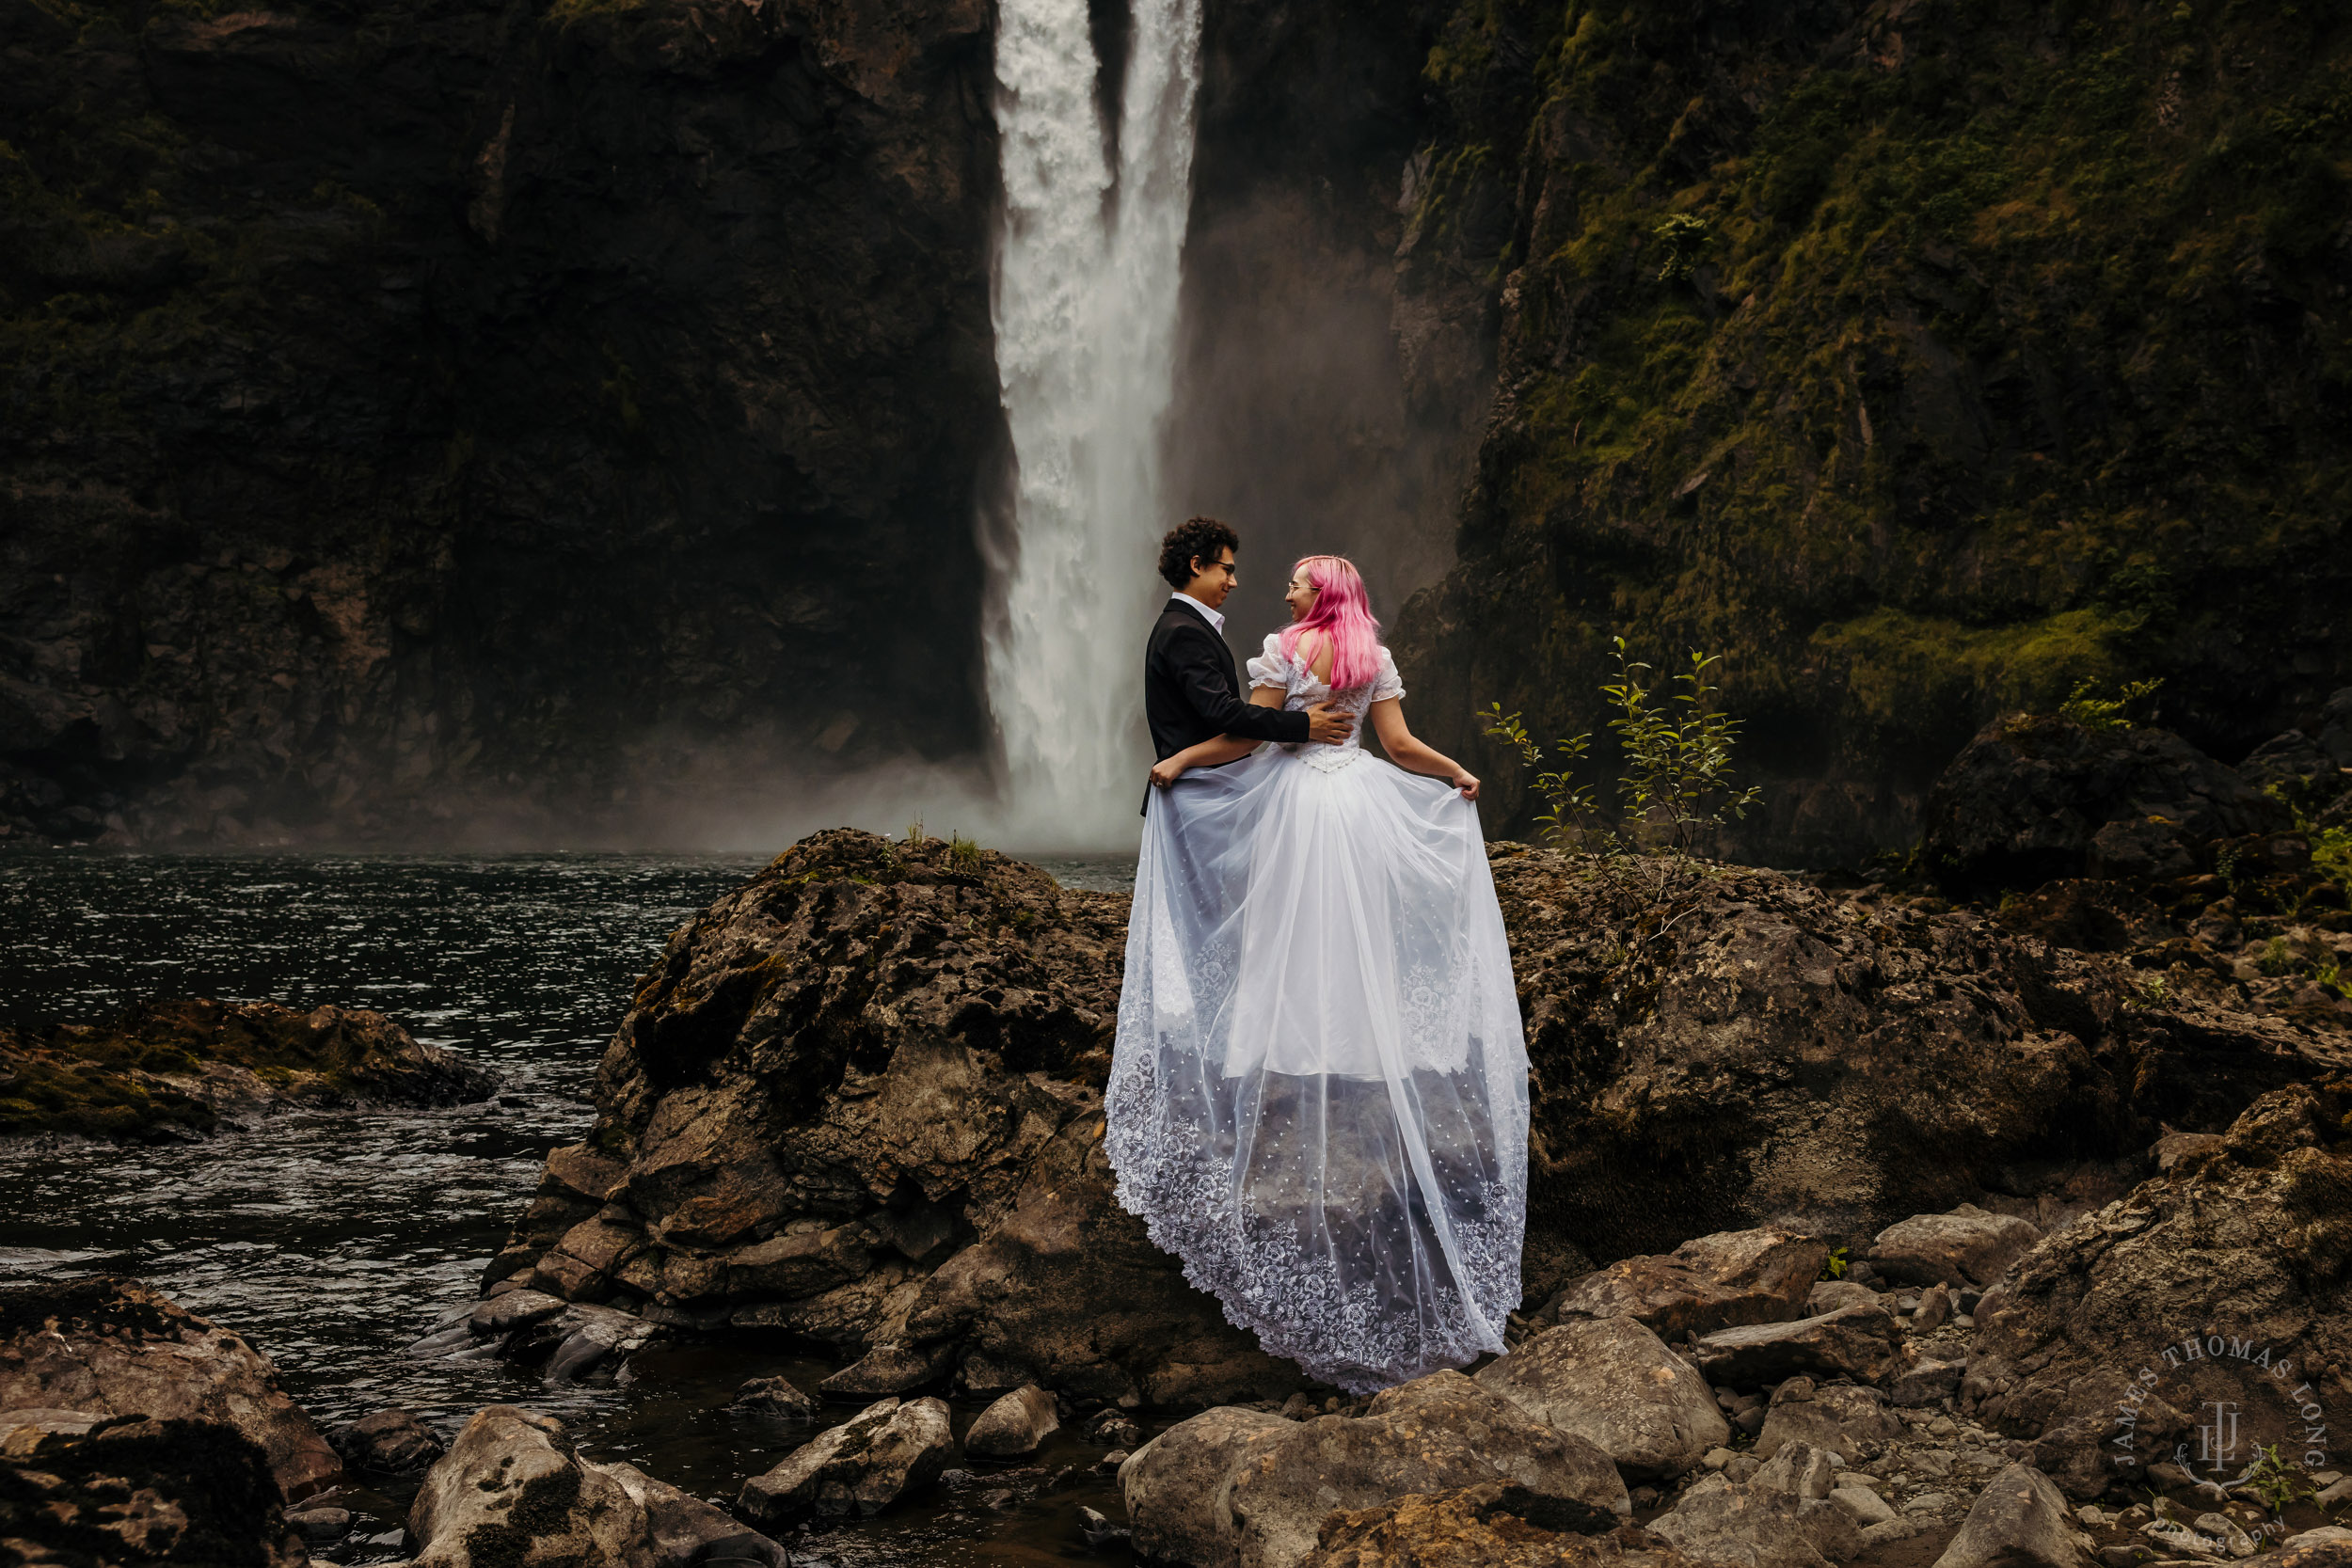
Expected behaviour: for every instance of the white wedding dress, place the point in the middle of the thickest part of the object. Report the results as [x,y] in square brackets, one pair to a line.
[1318,1097]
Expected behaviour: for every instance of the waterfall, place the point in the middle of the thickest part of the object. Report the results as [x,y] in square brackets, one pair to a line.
[1086,339]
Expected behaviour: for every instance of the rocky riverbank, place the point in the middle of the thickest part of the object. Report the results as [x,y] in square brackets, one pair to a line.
[164,1070]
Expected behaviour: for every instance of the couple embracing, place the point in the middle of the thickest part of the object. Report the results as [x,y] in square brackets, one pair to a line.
[1318,1097]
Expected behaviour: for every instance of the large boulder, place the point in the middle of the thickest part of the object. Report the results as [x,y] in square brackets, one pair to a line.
[886,1452]
[858,1100]
[2224,1279]
[111,1347]
[1494,1525]
[1725,1280]
[1613,1383]
[2312,767]
[1230,1490]
[511,1492]
[1722,1049]
[2024,801]
[163,1071]
[133,1489]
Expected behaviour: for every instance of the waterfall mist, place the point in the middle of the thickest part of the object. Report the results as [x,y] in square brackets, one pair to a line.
[1086,282]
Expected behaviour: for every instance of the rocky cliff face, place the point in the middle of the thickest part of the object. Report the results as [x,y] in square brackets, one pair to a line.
[466,414]
[1926,358]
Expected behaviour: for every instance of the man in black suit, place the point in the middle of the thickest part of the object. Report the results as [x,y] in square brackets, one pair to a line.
[1191,690]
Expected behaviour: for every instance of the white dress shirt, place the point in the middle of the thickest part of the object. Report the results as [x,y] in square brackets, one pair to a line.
[1215,619]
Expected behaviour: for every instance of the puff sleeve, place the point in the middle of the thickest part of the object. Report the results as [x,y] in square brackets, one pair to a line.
[1270,669]
[1388,683]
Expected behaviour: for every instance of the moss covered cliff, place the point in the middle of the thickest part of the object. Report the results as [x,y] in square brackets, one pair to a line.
[1926,356]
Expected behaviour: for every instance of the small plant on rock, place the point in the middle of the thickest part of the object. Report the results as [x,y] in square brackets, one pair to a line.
[1678,769]
[2154,990]
[1835,1265]
[2273,1482]
[1684,238]
[963,855]
[1568,806]
[2086,707]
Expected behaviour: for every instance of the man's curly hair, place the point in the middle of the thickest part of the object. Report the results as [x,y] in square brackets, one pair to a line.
[1194,539]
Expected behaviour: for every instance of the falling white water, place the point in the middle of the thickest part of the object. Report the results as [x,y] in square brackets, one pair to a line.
[1085,334]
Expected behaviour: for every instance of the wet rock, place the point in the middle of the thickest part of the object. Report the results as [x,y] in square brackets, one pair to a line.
[1859,1343]
[886,1452]
[569,1339]
[1781,1518]
[1234,1486]
[1113,1427]
[1013,1425]
[1964,1247]
[391,1442]
[140,1489]
[1719,1281]
[891,1370]
[775,1396]
[169,1070]
[111,1346]
[320,1526]
[1615,1385]
[1493,1525]
[1846,1421]
[2088,1320]
[683,1531]
[2019,1521]
[511,1491]
[2022,803]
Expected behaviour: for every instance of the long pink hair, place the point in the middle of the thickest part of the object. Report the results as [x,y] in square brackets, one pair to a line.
[1342,612]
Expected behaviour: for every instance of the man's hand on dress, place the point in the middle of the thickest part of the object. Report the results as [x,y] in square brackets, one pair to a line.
[1328,726]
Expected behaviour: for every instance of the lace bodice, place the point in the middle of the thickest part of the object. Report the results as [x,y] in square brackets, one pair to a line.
[1278,672]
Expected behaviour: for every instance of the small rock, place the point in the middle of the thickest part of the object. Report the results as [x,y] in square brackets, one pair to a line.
[1830,1295]
[1013,1425]
[1967,1246]
[2333,1493]
[1927,1502]
[1926,1382]
[506,1458]
[1760,1523]
[1942,1426]
[1888,1530]
[1855,1341]
[393,1442]
[775,1396]
[858,1469]
[1098,1532]
[1847,1419]
[1719,1281]
[891,1370]
[1935,1305]
[1113,1427]
[1866,1506]
[320,1526]
[1717,1458]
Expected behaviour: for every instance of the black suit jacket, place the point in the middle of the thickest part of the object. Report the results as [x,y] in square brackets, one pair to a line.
[1191,690]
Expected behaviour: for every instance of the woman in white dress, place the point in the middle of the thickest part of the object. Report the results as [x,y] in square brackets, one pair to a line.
[1318,1097]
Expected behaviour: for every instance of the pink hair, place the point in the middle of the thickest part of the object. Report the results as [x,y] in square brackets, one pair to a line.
[1342,612]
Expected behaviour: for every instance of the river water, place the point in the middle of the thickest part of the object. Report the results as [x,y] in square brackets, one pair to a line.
[334,1239]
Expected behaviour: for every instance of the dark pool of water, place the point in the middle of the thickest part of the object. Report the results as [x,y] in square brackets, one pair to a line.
[333,1240]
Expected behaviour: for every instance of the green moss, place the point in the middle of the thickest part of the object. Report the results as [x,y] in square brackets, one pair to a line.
[1924,376]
